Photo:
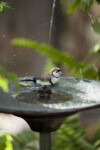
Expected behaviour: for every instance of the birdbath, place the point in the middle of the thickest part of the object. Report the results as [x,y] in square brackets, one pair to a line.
[45,109]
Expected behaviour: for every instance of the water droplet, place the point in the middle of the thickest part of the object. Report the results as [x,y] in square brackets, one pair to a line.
[14,55]
[92,29]
[4,36]
[51,20]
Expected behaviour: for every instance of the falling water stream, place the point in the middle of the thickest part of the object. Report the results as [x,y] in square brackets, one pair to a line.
[51,20]
[51,24]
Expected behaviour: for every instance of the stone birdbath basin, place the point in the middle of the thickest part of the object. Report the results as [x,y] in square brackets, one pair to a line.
[45,109]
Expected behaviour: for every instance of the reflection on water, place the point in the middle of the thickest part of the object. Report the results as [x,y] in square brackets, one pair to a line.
[46,98]
[69,93]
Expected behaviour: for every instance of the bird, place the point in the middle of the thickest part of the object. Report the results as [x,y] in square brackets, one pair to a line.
[49,79]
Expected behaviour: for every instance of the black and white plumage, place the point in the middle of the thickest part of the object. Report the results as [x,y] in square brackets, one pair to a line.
[49,79]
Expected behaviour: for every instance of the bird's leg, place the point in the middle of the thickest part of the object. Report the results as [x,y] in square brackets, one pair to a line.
[27,80]
[44,93]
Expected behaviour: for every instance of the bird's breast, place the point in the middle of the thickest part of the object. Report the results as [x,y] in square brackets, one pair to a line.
[54,80]
[43,82]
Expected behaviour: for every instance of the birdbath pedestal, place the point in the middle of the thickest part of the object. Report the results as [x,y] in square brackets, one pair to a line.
[45,115]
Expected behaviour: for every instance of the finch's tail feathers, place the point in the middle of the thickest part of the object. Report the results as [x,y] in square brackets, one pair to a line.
[34,80]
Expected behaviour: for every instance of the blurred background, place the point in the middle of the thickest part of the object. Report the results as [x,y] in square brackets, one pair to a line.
[70,33]
[31,20]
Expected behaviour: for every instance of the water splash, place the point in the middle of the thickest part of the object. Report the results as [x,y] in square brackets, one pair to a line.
[91,17]
[51,20]
[80,73]
[3,36]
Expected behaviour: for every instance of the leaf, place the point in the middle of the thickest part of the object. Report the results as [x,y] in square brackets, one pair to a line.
[4,84]
[5,141]
[97,134]
[73,6]
[2,141]
[5,76]
[9,145]
[1,9]
[59,57]
[44,49]
[96,25]
[71,136]
[5,5]
[97,144]
[85,4]
[95,49]
[25,140]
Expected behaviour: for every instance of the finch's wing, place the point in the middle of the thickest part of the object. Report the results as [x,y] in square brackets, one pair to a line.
[46,76]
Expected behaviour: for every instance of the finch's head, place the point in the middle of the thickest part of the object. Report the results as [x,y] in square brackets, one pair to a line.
[56,72]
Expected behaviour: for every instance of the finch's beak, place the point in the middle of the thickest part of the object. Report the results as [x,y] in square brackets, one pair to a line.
[60,72]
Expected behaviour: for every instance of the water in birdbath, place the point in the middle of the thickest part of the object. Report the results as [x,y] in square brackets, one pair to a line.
[32,93]
[69,93]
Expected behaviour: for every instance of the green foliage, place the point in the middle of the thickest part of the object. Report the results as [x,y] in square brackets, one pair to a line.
[73,6]
[96,25]
[4,84]
[5,141]
[96,139]
[44,49]
[25,141]
[5,5]
[5,76]
[97,134]
[70,136]
[95,49]
[84,5]
[61,58]
[48,66]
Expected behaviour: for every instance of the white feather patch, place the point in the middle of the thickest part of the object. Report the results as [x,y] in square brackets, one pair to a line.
[54,80]
[42,83]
